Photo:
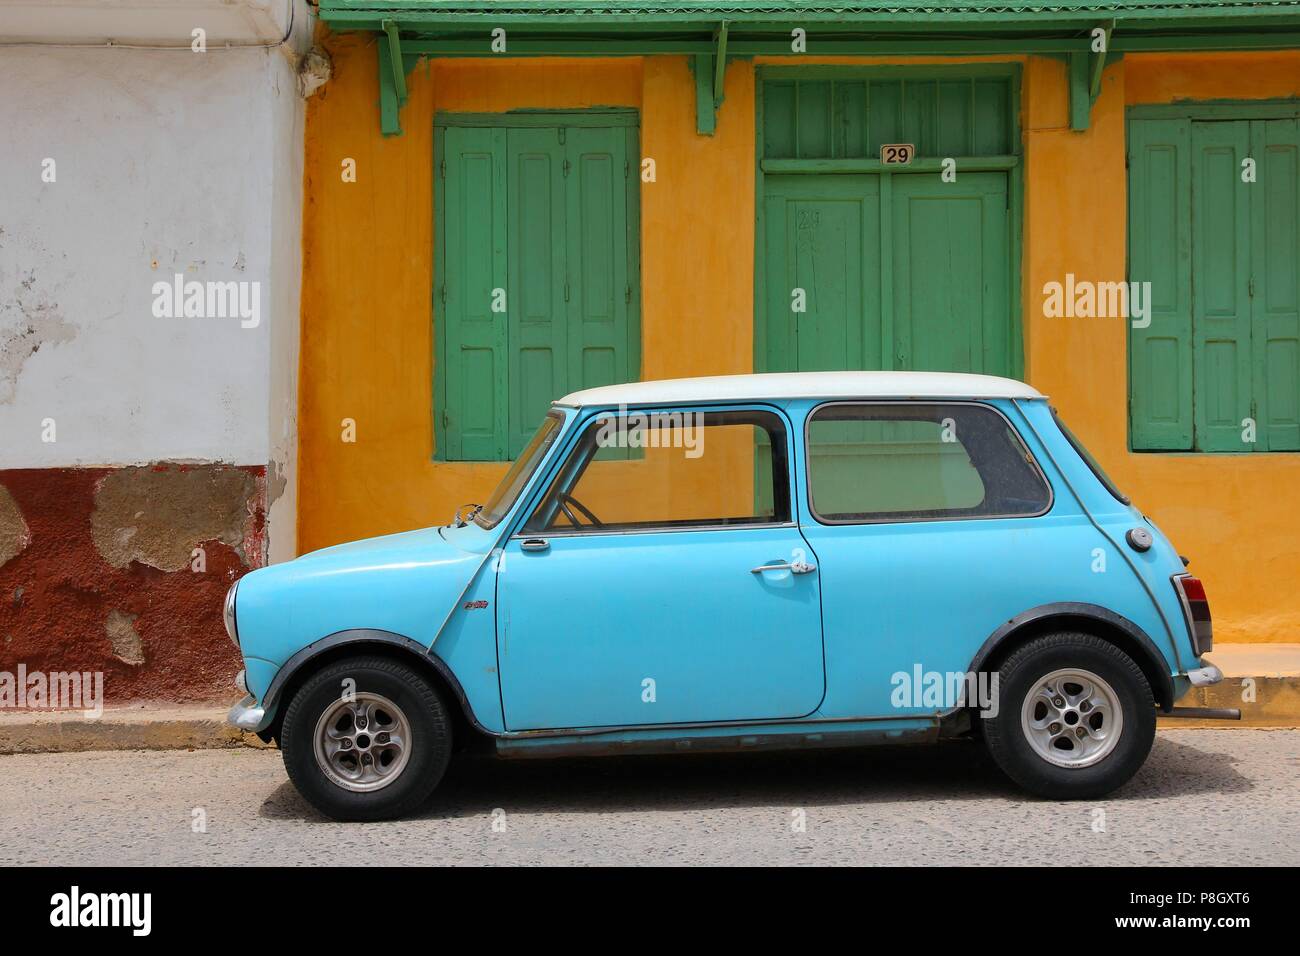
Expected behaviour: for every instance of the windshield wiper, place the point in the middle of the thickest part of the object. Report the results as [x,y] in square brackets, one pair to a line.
[461,522]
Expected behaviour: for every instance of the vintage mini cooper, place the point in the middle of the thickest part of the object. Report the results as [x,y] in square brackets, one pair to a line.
[784,560]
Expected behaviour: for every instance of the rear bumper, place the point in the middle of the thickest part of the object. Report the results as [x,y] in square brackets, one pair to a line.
[1204,676]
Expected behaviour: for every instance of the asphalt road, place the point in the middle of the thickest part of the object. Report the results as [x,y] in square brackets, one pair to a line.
[1204,797]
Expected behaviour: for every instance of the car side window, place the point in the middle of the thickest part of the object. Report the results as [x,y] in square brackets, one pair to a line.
[681,469]
[913,461]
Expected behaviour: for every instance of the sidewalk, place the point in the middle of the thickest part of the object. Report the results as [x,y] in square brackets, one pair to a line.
[1273,668]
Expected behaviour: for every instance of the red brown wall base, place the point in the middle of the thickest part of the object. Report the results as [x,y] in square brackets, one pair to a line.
[123,571]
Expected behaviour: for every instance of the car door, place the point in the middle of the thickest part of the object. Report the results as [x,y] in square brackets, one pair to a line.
[661,579]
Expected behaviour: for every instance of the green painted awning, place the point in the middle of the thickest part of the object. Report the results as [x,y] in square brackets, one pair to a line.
[649,16]
[712,31]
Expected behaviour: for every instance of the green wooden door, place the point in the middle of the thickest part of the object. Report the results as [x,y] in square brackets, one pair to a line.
[537,263]
[943,302]
[1222,253]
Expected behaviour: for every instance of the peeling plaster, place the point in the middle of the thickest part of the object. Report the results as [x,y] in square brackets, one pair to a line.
[14,533]
[314,71]
[276,482]
[28,320]
[127,646]
[157,515]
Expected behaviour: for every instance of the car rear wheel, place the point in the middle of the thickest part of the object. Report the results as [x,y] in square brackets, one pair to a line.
[1075,720]
[366,738]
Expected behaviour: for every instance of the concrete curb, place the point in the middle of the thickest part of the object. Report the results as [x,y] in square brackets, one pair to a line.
[141,727]
[1263,680]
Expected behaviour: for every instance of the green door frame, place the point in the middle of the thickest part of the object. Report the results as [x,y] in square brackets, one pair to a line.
[595,117]
[1012,163]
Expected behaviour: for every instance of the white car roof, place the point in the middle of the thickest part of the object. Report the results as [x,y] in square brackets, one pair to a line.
[774,385]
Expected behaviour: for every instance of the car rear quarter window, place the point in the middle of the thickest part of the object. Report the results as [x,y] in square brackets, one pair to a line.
[915,461]
[1093,465]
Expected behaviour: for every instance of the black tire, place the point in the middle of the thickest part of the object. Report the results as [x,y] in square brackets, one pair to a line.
[1010,746]
[429,745]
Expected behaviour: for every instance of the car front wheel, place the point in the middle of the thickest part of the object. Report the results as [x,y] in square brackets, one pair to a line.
[1075,720]
[366,738]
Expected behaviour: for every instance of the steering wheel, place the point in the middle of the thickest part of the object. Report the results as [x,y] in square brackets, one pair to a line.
[568,499]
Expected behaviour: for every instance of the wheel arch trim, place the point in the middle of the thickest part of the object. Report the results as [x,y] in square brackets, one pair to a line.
[362,637]
[1156,662]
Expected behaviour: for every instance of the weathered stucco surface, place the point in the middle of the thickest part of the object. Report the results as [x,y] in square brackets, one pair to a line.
[14,535]
[159,515]
[106,582]
[125,639]
[122,168]
[29,321]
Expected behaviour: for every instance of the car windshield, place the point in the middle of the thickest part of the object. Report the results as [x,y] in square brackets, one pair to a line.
[508,491]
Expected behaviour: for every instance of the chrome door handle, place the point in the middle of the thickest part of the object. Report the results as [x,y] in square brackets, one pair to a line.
[794,567]
[534,544]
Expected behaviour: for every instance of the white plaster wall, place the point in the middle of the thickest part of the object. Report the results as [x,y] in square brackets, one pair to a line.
[167,162]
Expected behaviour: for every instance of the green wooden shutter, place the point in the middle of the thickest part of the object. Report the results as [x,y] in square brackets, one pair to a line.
[1221,314]
[1275,300]
[599,285]
[1160,252]
[472,254]
[537,281]
[548,214]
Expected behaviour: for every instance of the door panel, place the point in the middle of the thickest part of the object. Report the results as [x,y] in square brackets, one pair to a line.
[1221,299]
[536,304]
[600,287]
[584,624]
[1275,261]
[473,250]
[951,295]
[1160,242]
[823,236]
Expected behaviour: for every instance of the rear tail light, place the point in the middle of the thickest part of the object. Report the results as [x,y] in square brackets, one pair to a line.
[1191,593]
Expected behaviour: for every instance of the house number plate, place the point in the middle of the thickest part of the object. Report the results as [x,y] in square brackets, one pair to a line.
[897,154]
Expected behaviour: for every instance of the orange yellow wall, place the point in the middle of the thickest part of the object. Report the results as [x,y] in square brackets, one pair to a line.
[368,319]
[1233,515]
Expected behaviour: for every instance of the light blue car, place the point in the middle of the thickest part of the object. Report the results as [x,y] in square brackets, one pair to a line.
[791,560]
